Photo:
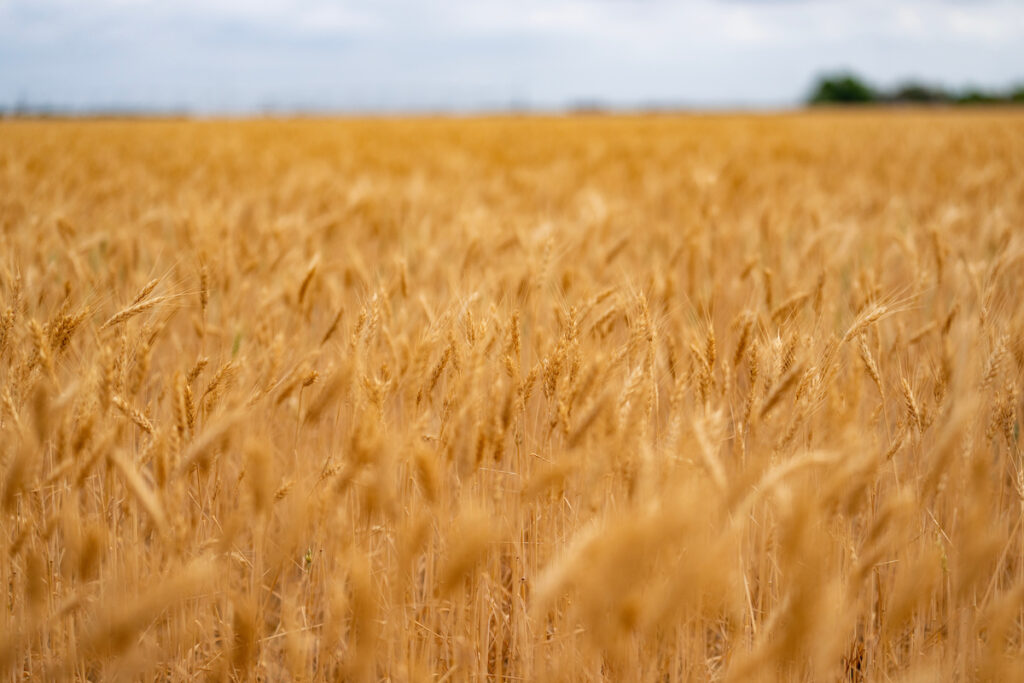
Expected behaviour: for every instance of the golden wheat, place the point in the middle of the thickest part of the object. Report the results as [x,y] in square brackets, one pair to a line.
[596,398]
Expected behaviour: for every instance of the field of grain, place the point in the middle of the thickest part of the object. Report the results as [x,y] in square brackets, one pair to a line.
[566,399]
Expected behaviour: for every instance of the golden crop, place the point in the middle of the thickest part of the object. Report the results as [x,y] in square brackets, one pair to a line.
[597,398]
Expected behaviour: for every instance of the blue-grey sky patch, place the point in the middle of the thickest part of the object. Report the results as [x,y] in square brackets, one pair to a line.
[243,56]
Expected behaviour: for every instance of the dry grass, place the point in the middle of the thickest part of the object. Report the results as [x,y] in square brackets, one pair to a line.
[514,399]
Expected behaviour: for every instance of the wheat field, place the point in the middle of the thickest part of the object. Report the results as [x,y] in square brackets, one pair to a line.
[661,398]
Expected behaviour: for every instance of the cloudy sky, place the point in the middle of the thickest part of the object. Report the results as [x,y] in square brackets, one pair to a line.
[392,55]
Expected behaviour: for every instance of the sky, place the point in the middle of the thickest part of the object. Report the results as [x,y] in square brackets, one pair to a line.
[239,56]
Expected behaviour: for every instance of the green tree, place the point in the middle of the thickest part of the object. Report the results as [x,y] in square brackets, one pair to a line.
[975,96]
[913,92]
[841,89]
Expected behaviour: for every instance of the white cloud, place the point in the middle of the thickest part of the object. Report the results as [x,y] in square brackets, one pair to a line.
[1003,26]
[332,19]
[466,52]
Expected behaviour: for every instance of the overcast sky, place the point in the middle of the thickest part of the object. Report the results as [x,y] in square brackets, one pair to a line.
[251,55]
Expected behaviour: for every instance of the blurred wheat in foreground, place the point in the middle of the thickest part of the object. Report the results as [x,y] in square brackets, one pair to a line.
[630,399]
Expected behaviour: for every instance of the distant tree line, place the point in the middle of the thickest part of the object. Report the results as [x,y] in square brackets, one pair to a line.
[847,88]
